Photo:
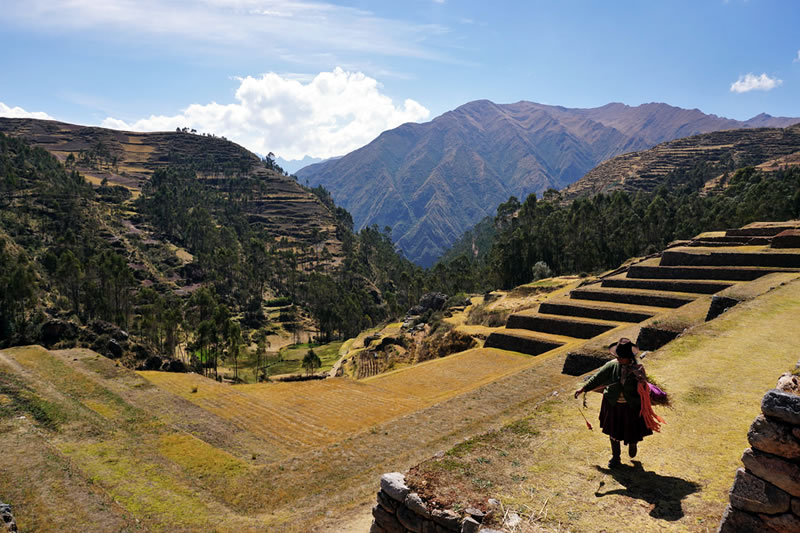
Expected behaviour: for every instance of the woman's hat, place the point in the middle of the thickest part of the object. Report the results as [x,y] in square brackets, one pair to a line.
[624,349]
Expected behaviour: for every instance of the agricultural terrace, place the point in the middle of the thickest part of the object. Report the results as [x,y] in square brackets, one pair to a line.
[551,470]
[294,417]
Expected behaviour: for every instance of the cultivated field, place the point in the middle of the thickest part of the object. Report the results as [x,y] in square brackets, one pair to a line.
[294,417]
[144,447]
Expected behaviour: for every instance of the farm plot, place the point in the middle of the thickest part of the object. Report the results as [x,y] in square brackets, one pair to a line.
[295,417]
[439,379]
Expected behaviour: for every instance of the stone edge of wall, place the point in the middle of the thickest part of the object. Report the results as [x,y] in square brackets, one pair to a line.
[7,522]
[401,511]
[765,495]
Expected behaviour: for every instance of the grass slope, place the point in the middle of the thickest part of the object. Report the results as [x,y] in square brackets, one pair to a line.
[551,469]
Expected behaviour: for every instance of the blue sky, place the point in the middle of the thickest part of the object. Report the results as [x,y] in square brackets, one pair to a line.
[319,78]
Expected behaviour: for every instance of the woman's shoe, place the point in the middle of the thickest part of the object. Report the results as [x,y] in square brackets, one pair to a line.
[632,450]
[614,462]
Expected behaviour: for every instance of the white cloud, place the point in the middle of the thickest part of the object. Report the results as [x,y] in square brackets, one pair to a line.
[751,82]
[333,114]
[285,29]
[796,59]
[18,112]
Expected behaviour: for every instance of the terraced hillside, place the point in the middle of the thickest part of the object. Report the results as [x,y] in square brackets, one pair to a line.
[548,471]
[274,456]
[280,205]
[177,452]
[665,294]
[645,170]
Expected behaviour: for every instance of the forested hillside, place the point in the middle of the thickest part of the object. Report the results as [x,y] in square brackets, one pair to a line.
[599,232]
[189,262]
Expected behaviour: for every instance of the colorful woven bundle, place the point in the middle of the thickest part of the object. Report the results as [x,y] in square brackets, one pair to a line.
[651,419]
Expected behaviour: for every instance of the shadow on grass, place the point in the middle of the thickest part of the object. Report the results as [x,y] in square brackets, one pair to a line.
[664,493]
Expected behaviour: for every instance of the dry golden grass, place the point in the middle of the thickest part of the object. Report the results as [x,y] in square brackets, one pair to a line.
[435,380]
[278,456]
[551,469]
[295,417]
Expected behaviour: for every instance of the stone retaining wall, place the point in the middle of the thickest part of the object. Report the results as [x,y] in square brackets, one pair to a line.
[766,493]
[7,522]
[401,511]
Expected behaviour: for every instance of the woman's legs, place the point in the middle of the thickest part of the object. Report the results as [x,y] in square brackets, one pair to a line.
[632,449]
[615,453]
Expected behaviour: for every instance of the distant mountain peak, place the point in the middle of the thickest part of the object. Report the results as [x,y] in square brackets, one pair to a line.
[432,181]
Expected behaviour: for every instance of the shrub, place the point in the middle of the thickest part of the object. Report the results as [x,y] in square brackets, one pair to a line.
[458,300]
[541,270]
[482,316]
[444,342]
[281,301]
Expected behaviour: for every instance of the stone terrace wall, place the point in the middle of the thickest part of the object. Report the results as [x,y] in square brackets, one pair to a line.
[765,496]
[401,511]
[7,522]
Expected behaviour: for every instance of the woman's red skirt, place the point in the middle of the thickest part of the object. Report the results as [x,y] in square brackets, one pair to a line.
[622,421]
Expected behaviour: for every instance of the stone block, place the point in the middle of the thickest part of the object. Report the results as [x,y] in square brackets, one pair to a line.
[388,504]
[774,469]
[650,338]
[782,406]
[447,519]
[477,514]
[719,304]
[394,485]
[415,504]
[753,494]
[796,506]
[789,238]
[782,523]
[7,521]
[409,519]
[773,437]
[387,521]
[736,521]
[470,525]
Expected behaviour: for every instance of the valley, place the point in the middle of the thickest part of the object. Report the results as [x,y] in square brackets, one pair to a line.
[361,267]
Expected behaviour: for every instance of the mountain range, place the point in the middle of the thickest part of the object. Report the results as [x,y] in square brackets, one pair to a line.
[430,182]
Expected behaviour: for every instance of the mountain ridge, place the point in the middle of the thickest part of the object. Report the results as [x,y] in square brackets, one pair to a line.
[430,182]
[645,170]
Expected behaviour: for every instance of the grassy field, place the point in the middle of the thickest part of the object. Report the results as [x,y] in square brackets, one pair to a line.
[295,417]
[178,451]
[552,470]
[291,358]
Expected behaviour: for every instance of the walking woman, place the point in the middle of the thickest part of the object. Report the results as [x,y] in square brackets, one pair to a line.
[622,417]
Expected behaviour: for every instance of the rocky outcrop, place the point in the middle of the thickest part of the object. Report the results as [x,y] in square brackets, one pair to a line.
[766,493]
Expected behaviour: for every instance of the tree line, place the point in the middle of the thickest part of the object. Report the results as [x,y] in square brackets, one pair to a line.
[593,234]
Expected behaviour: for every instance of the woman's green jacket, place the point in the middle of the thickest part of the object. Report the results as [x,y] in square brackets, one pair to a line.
[609,377]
